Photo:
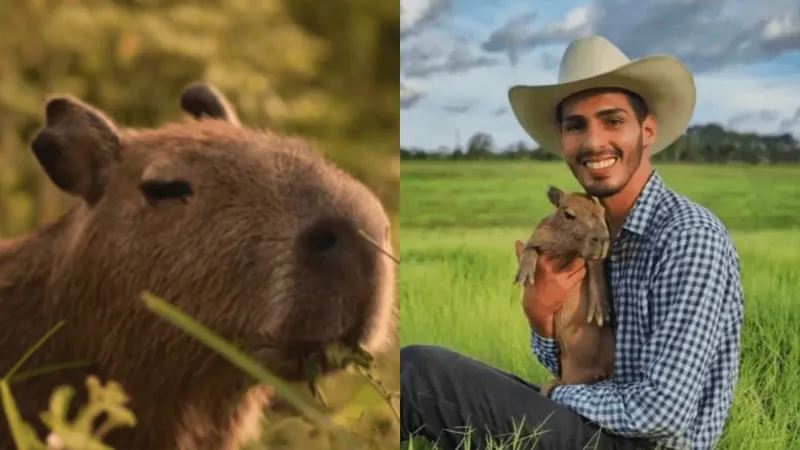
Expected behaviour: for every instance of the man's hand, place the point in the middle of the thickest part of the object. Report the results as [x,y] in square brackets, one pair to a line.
[549,291]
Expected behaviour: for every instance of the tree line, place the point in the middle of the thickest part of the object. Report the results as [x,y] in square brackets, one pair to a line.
[708,143]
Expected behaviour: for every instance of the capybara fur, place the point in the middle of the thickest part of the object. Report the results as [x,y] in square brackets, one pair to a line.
[577,228]
[251,233]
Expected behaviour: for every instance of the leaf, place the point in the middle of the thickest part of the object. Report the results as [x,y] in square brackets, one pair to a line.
[342,357]
[79,434]
[23,434]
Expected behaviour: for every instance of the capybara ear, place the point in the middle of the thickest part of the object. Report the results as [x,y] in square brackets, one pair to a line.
[76,146]
[201,99]
[555,195]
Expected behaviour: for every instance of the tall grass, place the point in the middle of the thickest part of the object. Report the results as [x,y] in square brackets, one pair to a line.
[358,422]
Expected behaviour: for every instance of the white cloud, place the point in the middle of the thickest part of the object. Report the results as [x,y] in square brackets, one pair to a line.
[412,11]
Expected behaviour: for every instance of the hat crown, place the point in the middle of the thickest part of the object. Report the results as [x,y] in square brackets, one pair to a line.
[589,57]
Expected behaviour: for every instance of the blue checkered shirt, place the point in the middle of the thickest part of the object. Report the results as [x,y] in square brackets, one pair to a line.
[678,306]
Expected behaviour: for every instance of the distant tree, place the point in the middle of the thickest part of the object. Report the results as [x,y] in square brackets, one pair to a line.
[480,145]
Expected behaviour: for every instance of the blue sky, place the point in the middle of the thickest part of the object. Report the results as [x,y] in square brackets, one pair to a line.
[459,57]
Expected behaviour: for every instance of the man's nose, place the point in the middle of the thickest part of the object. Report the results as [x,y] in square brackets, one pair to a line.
[595,139]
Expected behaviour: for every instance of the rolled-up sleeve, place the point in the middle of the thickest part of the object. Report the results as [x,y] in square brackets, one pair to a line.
[547,352]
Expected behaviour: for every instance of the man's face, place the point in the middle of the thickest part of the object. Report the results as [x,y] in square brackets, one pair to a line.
[602,140]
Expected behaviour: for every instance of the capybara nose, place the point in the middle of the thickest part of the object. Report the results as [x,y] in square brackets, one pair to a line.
[323,239]
[333,248]
[342,266]
[330,238]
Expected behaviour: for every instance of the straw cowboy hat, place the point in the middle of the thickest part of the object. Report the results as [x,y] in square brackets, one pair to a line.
[665,84]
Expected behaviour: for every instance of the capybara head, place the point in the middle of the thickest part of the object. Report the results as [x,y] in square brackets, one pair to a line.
[251,233]
[578,225]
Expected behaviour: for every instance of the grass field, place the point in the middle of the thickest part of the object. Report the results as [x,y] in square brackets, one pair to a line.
[459,221]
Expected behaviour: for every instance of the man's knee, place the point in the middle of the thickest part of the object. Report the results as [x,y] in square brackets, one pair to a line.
[414,358]
[424,356]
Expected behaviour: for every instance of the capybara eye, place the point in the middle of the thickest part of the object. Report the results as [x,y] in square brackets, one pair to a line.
[156,190]
[569,214]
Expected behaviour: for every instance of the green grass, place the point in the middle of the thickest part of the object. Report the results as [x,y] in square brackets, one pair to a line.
[459,222]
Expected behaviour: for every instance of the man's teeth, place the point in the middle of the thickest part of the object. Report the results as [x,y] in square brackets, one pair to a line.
[602,164]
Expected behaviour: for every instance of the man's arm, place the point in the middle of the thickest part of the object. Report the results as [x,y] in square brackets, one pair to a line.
[546,351]
[690,281]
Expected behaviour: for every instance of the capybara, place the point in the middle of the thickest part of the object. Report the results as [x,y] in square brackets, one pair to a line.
[577,228]
[253,234]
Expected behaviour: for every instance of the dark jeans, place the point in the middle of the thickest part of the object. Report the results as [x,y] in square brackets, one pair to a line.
[442,393]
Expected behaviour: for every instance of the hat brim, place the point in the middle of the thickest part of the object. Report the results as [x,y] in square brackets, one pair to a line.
[665,84]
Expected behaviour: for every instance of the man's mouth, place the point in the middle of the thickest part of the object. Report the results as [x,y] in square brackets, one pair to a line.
[598,164]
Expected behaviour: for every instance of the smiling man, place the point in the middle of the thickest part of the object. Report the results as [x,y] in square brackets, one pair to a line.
[673,270]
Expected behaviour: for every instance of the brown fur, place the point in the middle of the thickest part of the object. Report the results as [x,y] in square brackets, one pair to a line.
[251,233]
[576,229]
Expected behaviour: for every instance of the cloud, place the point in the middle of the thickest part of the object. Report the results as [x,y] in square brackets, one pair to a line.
[409,96]
[445,56]
[707,35]
[427,49]
[502,111]
[457,109]
[418,15]
[515,36]
[763,115]
[782,33]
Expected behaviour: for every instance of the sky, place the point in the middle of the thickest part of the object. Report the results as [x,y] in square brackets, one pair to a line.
[458,58]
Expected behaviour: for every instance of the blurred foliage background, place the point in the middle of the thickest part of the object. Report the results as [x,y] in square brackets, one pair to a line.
[326,70]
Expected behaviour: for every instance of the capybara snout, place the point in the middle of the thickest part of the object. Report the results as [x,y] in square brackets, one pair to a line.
[343,280]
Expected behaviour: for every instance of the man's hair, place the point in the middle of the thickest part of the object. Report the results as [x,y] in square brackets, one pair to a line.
[636,101]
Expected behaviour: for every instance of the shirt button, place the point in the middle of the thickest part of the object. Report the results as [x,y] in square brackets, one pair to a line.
[614,258]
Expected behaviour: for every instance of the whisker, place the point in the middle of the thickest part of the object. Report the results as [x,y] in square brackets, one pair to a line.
[378,246]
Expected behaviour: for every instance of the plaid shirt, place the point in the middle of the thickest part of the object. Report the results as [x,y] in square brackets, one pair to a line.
[678,307]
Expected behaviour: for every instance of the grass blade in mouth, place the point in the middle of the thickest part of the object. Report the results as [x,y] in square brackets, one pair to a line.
[378,246]
[243,361]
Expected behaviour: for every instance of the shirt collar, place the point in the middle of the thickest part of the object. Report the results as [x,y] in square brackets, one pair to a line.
[645,207]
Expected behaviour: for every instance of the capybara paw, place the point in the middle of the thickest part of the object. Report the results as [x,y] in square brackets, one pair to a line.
[596,313]
[524,275]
